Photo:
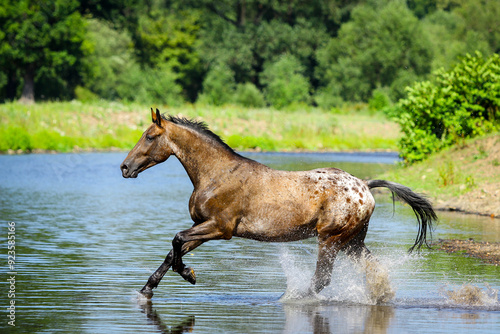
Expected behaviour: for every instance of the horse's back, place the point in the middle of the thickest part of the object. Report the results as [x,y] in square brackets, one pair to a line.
[284,205]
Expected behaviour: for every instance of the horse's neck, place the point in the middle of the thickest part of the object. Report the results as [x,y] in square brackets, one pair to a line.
[202,158]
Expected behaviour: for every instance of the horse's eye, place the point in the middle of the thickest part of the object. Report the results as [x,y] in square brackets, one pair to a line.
[149,138]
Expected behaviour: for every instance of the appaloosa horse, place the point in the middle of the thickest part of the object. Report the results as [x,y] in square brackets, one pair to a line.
[235,196]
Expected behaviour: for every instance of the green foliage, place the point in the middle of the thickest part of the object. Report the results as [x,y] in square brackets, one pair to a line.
[250,142]
[380,100]
[52,140]
[451,38]
[142,50]
[248,95]
[245,35]
[481,18]
[150,86]
[169,38]
[14,138]
[109,58]
[113,73]
[447,174]
[285,82]
[85,95]
[41,47]
[218,86]
[461,103]
[381,43]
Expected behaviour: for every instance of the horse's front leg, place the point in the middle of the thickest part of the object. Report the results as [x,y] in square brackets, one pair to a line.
[156,277]
[203,232]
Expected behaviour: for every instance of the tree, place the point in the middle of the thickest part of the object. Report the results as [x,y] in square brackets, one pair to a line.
[450,38]
[41,43]
[284,82]
[482,17]
[109,56]
[247,34]
[169,38]
[379,45]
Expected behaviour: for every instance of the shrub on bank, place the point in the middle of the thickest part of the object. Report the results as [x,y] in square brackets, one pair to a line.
[457,104]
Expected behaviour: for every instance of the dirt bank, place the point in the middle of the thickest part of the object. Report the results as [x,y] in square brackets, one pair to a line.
[480,162]
[487,251]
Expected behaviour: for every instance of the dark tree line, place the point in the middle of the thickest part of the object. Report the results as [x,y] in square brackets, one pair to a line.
[250,52]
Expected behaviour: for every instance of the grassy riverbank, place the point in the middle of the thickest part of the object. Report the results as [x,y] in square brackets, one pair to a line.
[69,126]
[463,178]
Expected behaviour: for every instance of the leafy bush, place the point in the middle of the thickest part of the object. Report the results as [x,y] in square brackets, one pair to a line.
[380,99]
[85,95]
[247,95]
[52,140]
[150,86]
[461,103]
[14,138]
[218,86]
[285,82]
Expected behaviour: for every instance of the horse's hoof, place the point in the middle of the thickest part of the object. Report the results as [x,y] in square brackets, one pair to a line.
[147,293]
[189,275]
[299,295]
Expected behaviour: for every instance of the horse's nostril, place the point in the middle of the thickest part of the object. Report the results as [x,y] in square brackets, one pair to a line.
[124,167]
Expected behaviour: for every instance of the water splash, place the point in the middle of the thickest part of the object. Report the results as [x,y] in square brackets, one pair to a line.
[298,278]
[378,282]
[472,295]
[365,282]
[139,298]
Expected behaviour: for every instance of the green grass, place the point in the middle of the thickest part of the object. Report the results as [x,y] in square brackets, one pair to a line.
[66,126]
[454,171]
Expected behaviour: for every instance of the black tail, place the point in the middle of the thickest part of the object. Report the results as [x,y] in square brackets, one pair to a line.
[426,216]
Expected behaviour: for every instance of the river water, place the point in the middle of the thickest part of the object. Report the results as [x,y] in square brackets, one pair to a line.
[87,240]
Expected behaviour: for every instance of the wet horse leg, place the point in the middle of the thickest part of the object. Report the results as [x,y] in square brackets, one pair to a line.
[200,233]
[328,249]
[331,240]
[156,277]
[356,249]
[377,276]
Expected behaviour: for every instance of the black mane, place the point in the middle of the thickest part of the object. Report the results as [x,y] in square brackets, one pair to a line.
[198,126]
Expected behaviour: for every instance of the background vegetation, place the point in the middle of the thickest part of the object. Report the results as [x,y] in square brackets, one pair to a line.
[235,51]
[269,54]
[454,105]
[68,126]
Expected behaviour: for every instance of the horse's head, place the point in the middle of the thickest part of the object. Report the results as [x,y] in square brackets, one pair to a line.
[150,150]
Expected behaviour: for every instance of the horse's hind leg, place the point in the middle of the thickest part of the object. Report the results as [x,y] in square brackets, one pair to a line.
[356,248]
[328,249]
[377,276]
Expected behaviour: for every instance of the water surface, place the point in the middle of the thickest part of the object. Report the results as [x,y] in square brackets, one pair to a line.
[87,239]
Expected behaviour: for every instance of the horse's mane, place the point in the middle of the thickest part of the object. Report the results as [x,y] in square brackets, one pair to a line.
[198,126]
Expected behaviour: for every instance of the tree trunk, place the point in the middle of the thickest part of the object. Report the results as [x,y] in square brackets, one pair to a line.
[28,95]
[241,13]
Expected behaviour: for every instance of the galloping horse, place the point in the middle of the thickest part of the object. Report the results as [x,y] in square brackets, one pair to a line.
[235,196]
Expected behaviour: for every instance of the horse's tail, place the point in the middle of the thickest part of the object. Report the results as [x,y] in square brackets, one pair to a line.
[422,207]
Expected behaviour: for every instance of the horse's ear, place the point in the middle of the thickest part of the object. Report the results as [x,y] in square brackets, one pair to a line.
[158,118]
[153,116]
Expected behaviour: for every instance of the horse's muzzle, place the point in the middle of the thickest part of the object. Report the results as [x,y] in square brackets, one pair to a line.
[127,172]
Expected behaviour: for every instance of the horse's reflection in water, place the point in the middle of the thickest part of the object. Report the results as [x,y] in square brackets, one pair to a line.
[300,318]
[184,325]
[337,318]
